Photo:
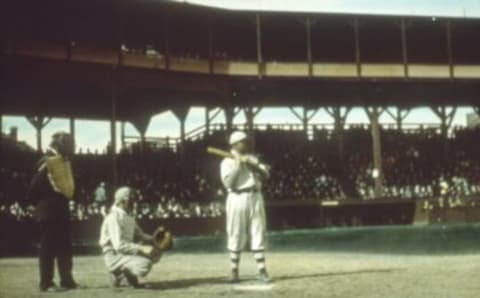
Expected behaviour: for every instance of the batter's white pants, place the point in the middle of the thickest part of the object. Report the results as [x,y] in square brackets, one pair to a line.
[245,221]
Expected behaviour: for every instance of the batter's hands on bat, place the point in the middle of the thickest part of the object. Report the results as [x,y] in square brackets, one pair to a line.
[247,159]
[252,160]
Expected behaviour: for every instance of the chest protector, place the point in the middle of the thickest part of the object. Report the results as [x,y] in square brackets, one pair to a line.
[60,175]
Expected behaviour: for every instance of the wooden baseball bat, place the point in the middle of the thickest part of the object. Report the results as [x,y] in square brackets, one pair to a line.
[226,154]
[219,152]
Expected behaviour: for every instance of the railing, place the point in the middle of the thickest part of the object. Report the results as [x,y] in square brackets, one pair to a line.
[157,60]
[200,132]
[197,133]
[154,142]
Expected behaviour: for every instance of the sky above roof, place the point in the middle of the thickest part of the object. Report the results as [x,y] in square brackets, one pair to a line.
[428,8]
[95,135]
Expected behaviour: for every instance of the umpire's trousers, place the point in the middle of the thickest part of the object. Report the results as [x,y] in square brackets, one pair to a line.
[55,243]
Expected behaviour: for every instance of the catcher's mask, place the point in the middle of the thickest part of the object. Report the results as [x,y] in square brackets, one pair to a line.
[162,239]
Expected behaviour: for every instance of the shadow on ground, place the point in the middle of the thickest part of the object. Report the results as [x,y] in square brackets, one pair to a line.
[208,281]
[326,274]
[186,283]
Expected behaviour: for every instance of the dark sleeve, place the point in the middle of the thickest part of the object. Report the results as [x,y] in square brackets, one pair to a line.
[38,188]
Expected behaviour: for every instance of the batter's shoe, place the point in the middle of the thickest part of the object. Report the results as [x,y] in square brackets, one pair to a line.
[234,277]
[264,277]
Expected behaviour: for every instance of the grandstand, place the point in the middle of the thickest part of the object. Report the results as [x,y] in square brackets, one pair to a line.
[170,56]
[126,61]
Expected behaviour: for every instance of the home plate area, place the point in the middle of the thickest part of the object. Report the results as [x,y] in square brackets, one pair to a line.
[295,274]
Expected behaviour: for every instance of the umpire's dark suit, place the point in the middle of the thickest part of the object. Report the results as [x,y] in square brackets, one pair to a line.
[53,214]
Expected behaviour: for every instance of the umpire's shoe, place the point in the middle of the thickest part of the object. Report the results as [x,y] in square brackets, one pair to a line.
[69,285]
[234,277]
[264,277]
[51,288]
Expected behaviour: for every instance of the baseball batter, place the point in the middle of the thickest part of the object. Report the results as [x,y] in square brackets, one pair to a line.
[242,176]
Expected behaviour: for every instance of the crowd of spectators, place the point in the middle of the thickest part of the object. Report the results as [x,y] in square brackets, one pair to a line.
[181,185]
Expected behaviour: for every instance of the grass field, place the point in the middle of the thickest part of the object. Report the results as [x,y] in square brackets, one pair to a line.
[296,274]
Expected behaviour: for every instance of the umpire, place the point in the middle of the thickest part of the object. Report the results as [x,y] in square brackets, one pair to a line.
[51,190]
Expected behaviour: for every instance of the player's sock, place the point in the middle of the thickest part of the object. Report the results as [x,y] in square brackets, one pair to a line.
[234,259]
[260,258]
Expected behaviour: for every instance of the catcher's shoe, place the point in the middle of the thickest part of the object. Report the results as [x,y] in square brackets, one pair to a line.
[264,277]
[234,277]
[132,280]
[117,280]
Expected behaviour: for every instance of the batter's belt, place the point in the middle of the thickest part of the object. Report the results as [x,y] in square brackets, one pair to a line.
[245,190]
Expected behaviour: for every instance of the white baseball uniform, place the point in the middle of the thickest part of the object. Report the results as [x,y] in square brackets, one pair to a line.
[117,241]
[245,209]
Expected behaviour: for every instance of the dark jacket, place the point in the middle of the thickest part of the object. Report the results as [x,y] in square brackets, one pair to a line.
[50,205]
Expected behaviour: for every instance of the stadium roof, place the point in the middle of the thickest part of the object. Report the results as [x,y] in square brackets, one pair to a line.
[83,80]
[83,90]
[428,8]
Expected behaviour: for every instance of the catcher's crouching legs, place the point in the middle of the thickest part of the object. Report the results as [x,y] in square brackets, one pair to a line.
[130,267]
[139,266]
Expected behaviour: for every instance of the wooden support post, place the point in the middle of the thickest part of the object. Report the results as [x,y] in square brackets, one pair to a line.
[308,27]
[207,121]
[306,116]
[209,118]
[261,66]
[403,30]
[356,33]
[166,40]
[229,114]
[374,116]
[122,134]
[39,122]
[449,48]
[446,120]
[211,57]
[72,131]
[250,113]
[141,125]
[339,116]
[400,115]
[181,113]
[113,129]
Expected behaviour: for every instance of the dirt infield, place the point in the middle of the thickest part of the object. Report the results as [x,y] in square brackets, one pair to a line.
[295,274]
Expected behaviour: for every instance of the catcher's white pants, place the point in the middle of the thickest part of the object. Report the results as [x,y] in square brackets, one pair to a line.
[137,265]
[245,221]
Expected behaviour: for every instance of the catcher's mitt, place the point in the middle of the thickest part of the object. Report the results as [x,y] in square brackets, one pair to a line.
[162,239]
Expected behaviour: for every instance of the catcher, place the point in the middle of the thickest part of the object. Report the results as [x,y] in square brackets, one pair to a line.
[125,259]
